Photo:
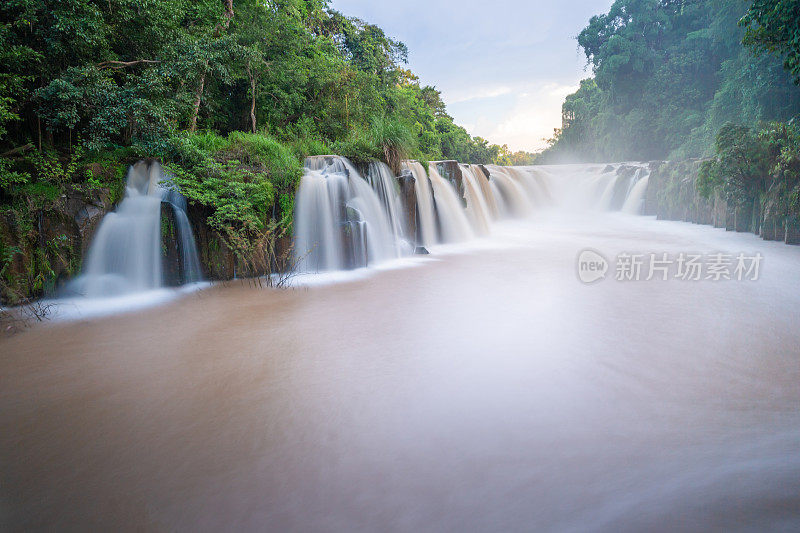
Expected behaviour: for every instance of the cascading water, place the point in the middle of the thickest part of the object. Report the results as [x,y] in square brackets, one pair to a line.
[635,199]
[486,190]
[428,233]
[385,185]
[515,201]
[189,262]
[452,218]
[618,187]
[477,206]
[125,255]
[340,221]
[534,185]
[344,221]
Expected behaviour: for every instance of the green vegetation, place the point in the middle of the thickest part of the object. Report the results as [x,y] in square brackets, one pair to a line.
[772,26]
[229,96]
[758,169]
[237,179]
[684,79]
[668,74]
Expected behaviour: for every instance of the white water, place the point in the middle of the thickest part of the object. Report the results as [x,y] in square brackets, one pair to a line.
[327,200]
[187,249]
[125,254]
[452,217]
[477,206]
[592,187]
[426,214]
[633,203]
[385,185]
[486,191]
[534,184]
[516,201]
[340,221]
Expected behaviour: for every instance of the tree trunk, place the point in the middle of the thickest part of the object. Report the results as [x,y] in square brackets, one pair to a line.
[196,106]
[218,29]
[252,99]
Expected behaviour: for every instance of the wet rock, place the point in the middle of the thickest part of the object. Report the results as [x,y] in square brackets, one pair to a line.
[170,255]
[743,218]
[651,195]
[730,217]
[408,196]
[421,250]
[720,211]
[216,259]
[792,230]
[772,229]
[88,219]
[451,171]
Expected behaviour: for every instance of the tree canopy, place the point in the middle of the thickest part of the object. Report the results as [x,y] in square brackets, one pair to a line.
[117,73]
[668,74]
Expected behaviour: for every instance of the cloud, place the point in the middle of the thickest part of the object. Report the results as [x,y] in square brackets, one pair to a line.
[503,66]
[532,120]
[521,117]
[475,93]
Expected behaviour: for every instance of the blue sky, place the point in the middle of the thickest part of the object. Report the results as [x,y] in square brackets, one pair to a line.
[503,66]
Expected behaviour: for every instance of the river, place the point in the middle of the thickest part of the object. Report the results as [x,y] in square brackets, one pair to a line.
[481,388]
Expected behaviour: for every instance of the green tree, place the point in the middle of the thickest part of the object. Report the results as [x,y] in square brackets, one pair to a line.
[667,75]
[774,26]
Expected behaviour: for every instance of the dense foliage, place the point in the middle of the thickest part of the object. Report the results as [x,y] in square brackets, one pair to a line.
[774,26]
[668,74]
[230,96]
[757,170]
[121,73]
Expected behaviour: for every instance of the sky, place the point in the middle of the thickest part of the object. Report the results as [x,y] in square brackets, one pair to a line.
[503,66]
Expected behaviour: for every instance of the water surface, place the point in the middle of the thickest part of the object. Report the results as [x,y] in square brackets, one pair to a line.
[484,389]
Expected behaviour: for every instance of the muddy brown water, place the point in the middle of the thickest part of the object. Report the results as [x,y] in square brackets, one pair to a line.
[485,390]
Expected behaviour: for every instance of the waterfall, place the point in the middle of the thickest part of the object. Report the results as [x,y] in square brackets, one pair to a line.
[608,184]
[125,255]
[340,221]
[317,222]
[344,220]
[533,183]
[452,218]
[635,199]
[515,201]
[426,214]
[477,207]
[486,190]
[617,187]
[187,250]
[385,185]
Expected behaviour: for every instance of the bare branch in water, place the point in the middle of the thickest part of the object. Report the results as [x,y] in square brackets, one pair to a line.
[15,319]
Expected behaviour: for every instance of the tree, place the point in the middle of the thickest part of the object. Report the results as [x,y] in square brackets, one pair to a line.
[774,26]
[667,75]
